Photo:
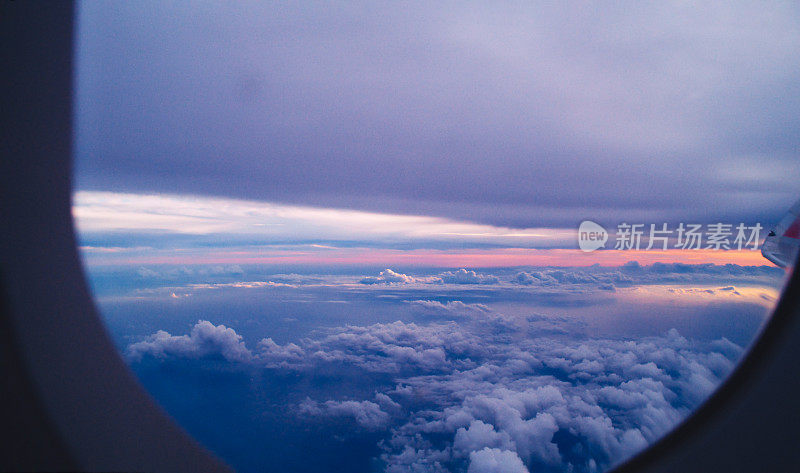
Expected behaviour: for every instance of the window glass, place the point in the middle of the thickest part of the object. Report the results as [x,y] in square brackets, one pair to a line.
[442,237]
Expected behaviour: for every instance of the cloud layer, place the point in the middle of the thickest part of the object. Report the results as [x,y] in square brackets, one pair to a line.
[491,393]
[516,114]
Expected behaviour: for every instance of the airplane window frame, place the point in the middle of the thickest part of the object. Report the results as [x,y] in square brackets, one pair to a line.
[89,411]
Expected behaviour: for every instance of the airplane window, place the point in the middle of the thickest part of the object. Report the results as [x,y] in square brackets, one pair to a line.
[435,237]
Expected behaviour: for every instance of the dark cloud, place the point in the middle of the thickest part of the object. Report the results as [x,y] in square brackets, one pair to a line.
[527,115]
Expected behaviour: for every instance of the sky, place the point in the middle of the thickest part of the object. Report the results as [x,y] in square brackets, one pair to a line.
[519,114]
[130,229]
[343,236]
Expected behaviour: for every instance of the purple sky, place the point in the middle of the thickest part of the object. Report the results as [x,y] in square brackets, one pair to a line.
[256,166]
[511,114]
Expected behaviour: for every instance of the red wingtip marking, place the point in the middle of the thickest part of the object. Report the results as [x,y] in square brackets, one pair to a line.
[794,229]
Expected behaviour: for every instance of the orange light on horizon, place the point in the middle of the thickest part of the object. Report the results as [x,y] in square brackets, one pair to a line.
[469,258]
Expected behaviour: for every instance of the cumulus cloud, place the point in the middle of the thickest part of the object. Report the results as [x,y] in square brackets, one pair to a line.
[536,397]
[283,355]
[463,276]
[366,414]
[493,460]
[388,348]
[534,277]
[460,276]
[558,284]
[489,393]
[478,435]
[205,339]
[384,348]
[240,284]
[450,306]
[612,397]
[602,278]
[388,276]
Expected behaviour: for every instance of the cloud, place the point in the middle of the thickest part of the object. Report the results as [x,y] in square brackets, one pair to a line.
[205,339]
[185,271]
[708,269]
[463,276]
[456,307]
[631,105]
[534,277]
[282,355]
[633,273]
[386,348]
[217,270]
[479,435]
[730,289]
[599,277]
[612,396]
[494,460]
[366,414]
[239,284]
[388,276]
[147,273]
[491,391]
